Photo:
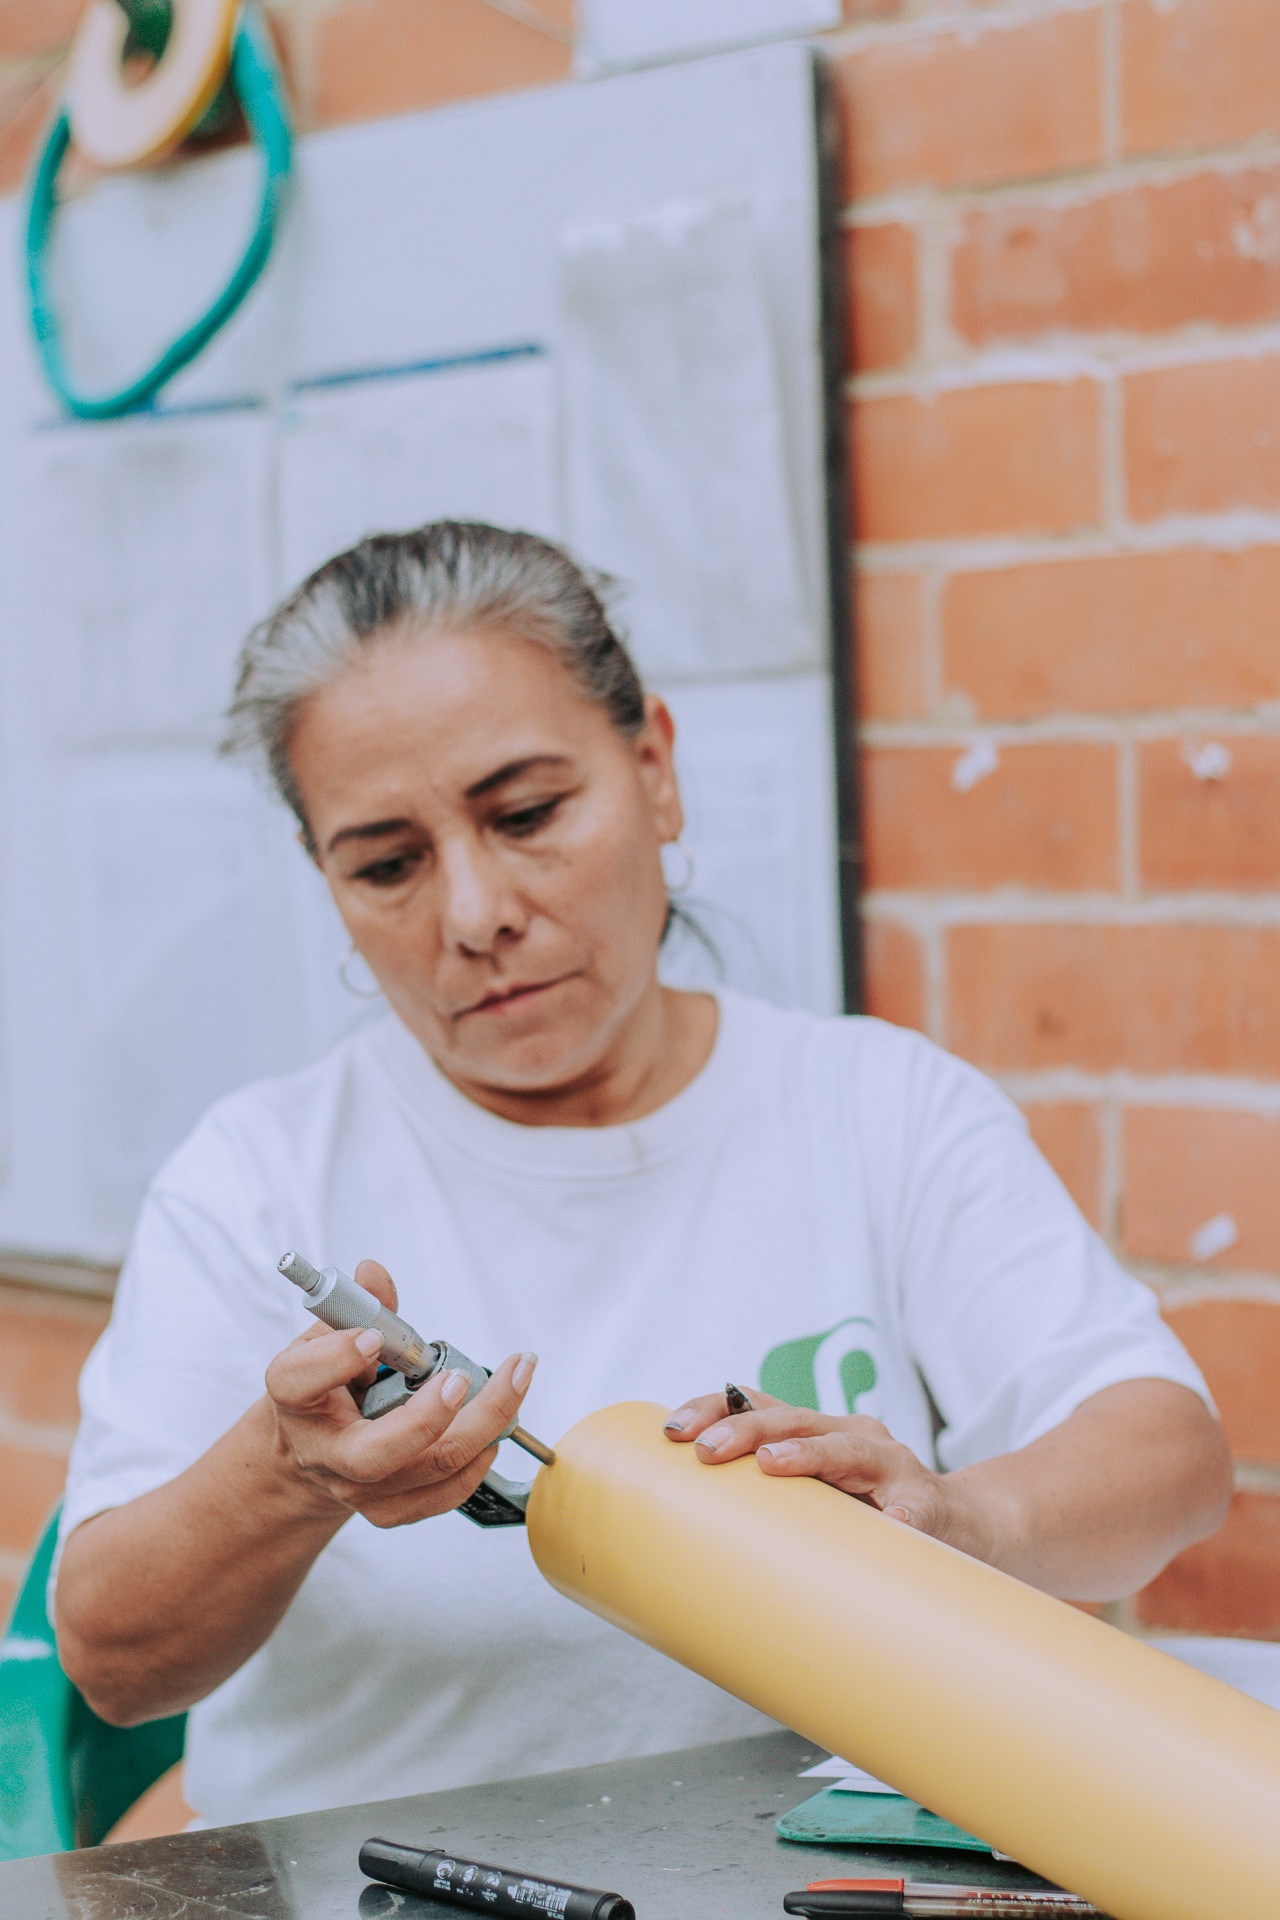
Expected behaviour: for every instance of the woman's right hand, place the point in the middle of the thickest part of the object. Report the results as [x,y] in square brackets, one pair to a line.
[423,1458]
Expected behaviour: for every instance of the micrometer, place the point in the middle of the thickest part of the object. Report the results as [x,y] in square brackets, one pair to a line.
[407,1361]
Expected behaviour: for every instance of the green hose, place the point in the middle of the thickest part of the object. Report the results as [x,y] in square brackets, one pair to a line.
[257,82]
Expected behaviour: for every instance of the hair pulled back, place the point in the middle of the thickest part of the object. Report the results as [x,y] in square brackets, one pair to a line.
[450,575]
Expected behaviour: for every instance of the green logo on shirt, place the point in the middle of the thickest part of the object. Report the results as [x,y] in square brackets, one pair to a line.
[797,1370]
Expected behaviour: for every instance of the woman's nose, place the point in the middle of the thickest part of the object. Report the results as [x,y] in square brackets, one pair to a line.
[476,906]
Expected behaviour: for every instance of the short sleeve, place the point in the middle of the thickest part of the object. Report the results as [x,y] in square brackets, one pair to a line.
[195,1323]
[1014,1310]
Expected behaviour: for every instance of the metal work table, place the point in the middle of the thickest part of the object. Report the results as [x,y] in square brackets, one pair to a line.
[685,1836]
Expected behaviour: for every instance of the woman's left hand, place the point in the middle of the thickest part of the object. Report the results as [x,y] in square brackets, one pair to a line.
[851,1452]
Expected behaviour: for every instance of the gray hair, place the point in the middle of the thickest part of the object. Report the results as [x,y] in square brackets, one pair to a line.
[450,574]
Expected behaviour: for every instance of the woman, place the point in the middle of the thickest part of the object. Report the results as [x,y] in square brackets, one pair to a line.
[547,1147]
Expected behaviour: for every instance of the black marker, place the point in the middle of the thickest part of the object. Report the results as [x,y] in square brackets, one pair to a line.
[736,1399]
[468,1883]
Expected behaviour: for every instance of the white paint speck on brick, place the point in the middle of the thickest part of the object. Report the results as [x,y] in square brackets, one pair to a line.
[1214,1237]
[1210,760]
[981,759]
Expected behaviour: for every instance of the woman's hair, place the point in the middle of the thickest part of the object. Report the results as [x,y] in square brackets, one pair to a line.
[451,574]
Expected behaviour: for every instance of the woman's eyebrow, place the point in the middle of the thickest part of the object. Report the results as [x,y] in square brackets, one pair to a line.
[375,830]
[513,770]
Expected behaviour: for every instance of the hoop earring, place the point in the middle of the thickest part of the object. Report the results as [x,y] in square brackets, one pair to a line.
[360,993]
[683,884]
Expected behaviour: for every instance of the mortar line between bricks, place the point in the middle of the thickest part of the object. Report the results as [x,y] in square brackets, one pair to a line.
[1174,724]
[1203,1091]
[1255,1476]
[54,1440]
[1069,354]
[956,22]
[1037,365]
[1017,906]
[1177,1285]
[1216,1289]
[1066,187]
[986,553]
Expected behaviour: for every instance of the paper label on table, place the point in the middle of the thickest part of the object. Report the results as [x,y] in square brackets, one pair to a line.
[842,1776]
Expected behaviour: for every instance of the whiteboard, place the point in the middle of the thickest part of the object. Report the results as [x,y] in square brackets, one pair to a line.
[462,319]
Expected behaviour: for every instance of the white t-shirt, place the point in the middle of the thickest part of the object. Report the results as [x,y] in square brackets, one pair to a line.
[833,1209]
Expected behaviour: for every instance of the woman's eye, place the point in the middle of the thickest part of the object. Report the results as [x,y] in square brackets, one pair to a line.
[386,873]
[526,820]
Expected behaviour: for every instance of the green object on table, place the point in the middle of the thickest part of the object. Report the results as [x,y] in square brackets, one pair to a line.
[256,79]
[65,1775]
[832,1819]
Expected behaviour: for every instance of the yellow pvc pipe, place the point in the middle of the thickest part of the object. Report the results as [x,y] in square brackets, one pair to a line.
[1106,1766]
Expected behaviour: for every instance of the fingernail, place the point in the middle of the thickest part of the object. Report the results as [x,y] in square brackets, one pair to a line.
[713,1439]
[524,1371]
[898,1513]
[369,1342]
[678,1421]
[454,1390]
[780,1450]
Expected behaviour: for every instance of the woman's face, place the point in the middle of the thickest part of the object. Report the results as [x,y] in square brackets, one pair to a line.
[491,841]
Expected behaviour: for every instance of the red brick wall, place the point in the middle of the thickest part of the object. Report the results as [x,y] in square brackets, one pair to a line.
[1065,232]
[1063,227]
[45,1338]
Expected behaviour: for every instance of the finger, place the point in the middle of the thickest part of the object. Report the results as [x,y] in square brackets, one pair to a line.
[480,1421]
[384,1507]
[742,1433]
[690,1420]
[914,1500]
[368,1452]
[374,1278]
[880,1472]
[314,1330]
[434,1430]
[317,1362]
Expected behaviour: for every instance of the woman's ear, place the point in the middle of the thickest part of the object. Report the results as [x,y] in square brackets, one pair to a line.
[655,751]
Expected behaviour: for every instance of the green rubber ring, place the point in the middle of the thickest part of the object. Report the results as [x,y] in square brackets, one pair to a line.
[256,79]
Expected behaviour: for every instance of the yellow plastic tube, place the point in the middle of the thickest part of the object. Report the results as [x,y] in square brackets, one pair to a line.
[1098,1762]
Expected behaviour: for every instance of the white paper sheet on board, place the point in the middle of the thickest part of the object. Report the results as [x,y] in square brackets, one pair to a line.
[182,956]
[675,464]
[626,33]
[754,762]
[471,442]
[145,559]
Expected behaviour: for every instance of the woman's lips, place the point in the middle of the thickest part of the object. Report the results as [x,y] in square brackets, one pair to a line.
[499,1001]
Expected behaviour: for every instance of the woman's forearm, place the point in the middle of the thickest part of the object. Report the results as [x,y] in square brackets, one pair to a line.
[1091,1511]
[160,1600]
[1098,1506]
